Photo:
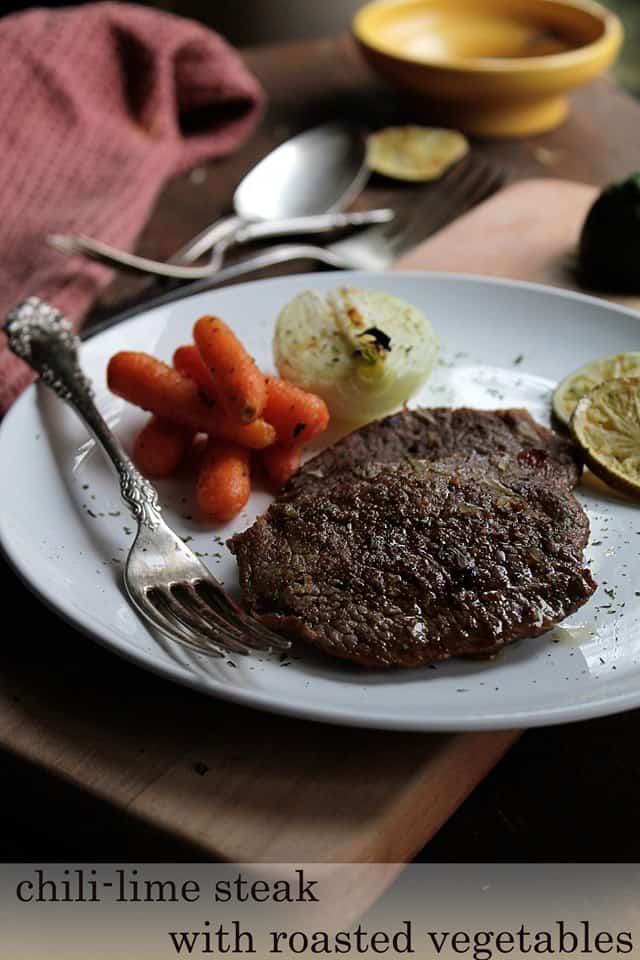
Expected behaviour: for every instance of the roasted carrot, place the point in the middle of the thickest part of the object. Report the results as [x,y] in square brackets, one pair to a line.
[280,464]
[297,415]
[189,363]
[255,435]
[240,385]
[224,481]
[158,388]
[160,447]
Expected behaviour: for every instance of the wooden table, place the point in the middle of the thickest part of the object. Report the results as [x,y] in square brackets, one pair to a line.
[560,794]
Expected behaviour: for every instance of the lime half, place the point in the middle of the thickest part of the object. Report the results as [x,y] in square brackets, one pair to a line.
[606,425]
[577,385]
[414,153]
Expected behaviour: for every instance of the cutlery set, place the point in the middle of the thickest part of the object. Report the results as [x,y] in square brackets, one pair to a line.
[246,233]
[300,190]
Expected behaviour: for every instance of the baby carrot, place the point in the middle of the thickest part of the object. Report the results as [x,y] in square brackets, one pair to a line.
[255,435]
[189,363]
[280,464]
[224,481]
[240,385]
[296,414]
[158,388]
[160,447]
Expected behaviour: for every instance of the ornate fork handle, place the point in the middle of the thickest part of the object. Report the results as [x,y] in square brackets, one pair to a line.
[43,338]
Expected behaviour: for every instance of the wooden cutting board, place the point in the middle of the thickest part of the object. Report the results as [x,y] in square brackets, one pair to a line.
[243,786]
[528,231]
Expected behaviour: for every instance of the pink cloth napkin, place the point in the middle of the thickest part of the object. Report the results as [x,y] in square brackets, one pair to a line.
[99,105]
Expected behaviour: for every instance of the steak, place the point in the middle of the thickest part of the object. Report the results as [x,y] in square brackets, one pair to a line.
[437,432]
[409,563]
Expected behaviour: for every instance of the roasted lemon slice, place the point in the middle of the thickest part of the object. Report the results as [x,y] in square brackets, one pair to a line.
[414,153]
[577,385]
[606,425]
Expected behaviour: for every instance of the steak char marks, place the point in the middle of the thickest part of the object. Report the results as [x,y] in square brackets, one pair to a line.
[410,541]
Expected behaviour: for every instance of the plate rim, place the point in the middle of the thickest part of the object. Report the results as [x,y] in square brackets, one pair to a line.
[259,700]
[103,326]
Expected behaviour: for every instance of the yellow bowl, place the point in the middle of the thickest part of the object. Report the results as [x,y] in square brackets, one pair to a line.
[490,67]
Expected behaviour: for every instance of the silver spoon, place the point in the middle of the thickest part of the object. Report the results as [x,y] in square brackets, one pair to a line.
[297,188]
[318,171]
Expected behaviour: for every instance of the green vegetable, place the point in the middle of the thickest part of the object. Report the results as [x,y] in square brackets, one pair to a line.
[609,251]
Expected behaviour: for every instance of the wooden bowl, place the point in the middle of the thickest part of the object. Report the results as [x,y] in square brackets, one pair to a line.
[499,68]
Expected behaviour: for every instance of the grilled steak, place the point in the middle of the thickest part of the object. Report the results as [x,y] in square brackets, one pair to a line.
[415,562]
[437,432]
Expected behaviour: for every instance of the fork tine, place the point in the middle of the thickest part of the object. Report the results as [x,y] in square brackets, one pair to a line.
[490,176]
[224,606]
[421,214]
[456,173]
[250,634]
[475,181]
[470,173]
[496,179]
[186,594]
[452,181]
[425,213]
[216,629]
[155,611]
[482,187]
[487,172]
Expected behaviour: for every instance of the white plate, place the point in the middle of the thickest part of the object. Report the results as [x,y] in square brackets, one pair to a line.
[503,344]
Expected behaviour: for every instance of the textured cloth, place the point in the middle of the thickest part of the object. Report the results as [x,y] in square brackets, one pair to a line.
[99,105]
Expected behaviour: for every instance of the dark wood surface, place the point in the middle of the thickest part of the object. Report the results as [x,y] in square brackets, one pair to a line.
[564,793]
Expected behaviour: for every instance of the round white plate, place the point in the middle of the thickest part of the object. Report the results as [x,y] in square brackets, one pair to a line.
[504,344]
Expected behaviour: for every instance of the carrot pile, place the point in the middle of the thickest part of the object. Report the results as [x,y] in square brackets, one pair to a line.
[214,388]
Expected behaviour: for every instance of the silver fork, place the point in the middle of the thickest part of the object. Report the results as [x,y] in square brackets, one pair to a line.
[464,186]
[164,580]
[175,269]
